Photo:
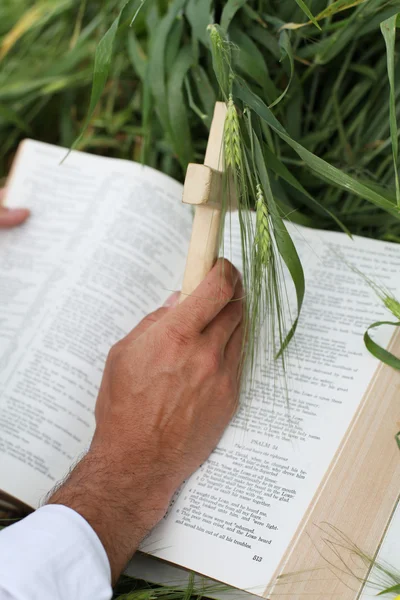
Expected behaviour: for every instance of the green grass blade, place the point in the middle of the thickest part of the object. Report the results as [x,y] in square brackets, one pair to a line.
[328,12]
[286,51]
[136,54]
[266,39]
[157,74]
[322,168]
[383,355]
[308,12]
[178,115]
[395,589]
[199,15]
[173,46]
[388,29]
[230,10]
[141,2]
[280,169]
[338,6]
[102,62]
[251,62]
[205,91]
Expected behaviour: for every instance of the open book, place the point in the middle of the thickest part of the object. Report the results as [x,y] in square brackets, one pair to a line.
[105,245]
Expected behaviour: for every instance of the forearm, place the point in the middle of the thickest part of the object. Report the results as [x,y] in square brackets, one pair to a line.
[118,501]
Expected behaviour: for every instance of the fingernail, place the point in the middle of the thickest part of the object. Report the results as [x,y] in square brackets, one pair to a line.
[172,300]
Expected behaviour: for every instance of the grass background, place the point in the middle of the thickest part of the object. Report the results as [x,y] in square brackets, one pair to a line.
[158,99]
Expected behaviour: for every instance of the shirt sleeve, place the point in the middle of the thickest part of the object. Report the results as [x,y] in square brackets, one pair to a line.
[53,554]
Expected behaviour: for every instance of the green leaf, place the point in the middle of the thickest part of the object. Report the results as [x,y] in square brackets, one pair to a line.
[396,588]
[230,10]
[266,39]
[179,122]
[102,61]
[205,91]
[286,51]
[331,45]
[198,13]
[380,353]
[283,241]
[308,12]
[338,6]
[329,11]
[322,168]
[250,61]
[157,71]
[173,46]
[137,56]
[388,29]
[280,169]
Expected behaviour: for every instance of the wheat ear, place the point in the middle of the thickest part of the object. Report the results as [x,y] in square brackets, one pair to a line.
[263,236]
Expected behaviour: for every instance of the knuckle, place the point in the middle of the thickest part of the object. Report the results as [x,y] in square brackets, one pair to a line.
[116,352]
[113,352]
[157,314]
[154,316]
[176,335]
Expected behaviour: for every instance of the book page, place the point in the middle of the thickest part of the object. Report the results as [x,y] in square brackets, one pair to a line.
[235,517]
[105,245]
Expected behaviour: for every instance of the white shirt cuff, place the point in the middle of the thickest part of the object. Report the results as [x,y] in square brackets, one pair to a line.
[54,554]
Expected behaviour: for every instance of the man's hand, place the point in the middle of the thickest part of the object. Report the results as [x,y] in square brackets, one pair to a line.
[10,217]
[169,390]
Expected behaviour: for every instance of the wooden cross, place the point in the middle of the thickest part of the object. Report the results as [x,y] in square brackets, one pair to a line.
[203,189]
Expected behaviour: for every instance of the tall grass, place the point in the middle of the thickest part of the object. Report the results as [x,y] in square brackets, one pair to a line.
[158,99]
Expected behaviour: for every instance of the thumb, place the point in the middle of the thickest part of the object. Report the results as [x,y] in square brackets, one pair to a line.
[172,300]
[11,217]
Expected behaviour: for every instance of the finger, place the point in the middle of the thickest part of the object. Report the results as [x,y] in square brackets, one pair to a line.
[153,317]
[1,195]
[146,323]
[222,327]
[173,300]
[10,217]
[211,296]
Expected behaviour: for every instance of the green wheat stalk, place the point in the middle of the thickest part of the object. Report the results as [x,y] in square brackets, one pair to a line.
[266,302]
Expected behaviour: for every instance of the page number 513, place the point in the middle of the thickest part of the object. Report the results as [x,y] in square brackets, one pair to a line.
[257,558]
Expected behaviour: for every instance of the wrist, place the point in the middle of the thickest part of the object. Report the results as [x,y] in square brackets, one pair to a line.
[120,507]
